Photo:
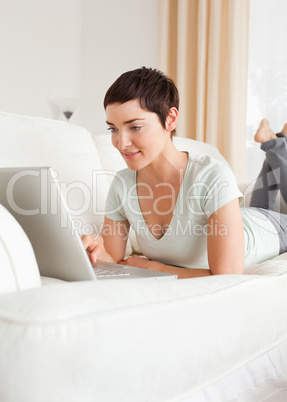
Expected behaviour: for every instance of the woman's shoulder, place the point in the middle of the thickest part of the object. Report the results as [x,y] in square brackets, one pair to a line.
[204,168]
[203,160]
[203,164]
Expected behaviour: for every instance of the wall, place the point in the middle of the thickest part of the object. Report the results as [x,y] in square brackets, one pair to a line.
[118,35]
[71,48]
[40,42]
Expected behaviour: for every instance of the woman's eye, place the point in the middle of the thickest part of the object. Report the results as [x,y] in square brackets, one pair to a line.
[136,128]
[112,129]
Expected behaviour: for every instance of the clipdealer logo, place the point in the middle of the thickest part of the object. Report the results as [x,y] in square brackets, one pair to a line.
[73,200]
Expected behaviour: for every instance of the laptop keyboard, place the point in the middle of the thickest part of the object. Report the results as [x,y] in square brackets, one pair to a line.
[101,273]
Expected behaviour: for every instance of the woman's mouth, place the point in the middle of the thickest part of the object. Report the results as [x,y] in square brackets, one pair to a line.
[130,155]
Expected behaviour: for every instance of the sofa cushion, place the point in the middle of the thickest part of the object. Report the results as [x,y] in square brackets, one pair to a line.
[18,267]
[152,340]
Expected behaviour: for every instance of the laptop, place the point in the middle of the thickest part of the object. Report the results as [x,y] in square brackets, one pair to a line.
[33,196]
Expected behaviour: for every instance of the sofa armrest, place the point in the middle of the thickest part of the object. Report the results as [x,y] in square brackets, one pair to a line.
[18,265]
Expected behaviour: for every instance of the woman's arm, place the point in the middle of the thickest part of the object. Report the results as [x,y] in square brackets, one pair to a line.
[225,247]
[182,273]
[115,235]
[111,245]
[225,240]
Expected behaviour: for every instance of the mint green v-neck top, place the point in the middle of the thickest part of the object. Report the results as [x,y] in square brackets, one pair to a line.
[207,185]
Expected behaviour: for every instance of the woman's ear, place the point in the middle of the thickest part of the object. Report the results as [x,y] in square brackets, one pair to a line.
[171,120]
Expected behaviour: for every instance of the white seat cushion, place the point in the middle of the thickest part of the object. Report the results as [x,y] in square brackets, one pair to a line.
[136,340]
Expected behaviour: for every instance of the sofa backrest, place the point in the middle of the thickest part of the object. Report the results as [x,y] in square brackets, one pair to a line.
[70,150]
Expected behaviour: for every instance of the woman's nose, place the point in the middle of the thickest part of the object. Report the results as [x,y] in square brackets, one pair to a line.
[124,140]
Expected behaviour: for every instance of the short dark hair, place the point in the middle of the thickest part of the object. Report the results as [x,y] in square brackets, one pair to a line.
[155,91]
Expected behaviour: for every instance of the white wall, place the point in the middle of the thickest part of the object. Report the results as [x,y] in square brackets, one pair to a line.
[118,35]
[71,48]
[40,42]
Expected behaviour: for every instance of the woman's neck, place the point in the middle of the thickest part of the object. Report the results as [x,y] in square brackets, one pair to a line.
[168,168]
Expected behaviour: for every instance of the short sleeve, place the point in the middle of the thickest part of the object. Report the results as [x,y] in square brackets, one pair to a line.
[220,187]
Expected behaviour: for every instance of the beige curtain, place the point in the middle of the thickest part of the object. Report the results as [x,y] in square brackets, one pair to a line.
[203,47]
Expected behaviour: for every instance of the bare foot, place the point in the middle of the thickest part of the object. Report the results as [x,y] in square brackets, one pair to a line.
[284,129]
[264,132]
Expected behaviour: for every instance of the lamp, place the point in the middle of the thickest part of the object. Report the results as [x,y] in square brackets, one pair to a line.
[67,106]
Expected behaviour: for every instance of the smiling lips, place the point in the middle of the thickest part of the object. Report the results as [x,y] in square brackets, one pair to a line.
[131,155]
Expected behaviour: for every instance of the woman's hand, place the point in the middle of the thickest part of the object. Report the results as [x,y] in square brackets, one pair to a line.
[94,246]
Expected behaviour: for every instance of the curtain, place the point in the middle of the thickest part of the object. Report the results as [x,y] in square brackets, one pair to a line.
[203,47]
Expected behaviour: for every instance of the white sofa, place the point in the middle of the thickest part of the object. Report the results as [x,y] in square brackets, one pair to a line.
[219,338]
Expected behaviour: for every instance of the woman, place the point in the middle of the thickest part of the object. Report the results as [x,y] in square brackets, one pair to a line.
[183,207]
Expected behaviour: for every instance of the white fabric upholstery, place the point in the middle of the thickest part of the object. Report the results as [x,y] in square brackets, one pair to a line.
[18,265]
[136,340]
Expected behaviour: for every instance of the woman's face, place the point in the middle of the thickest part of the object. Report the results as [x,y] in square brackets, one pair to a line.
[136,133]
